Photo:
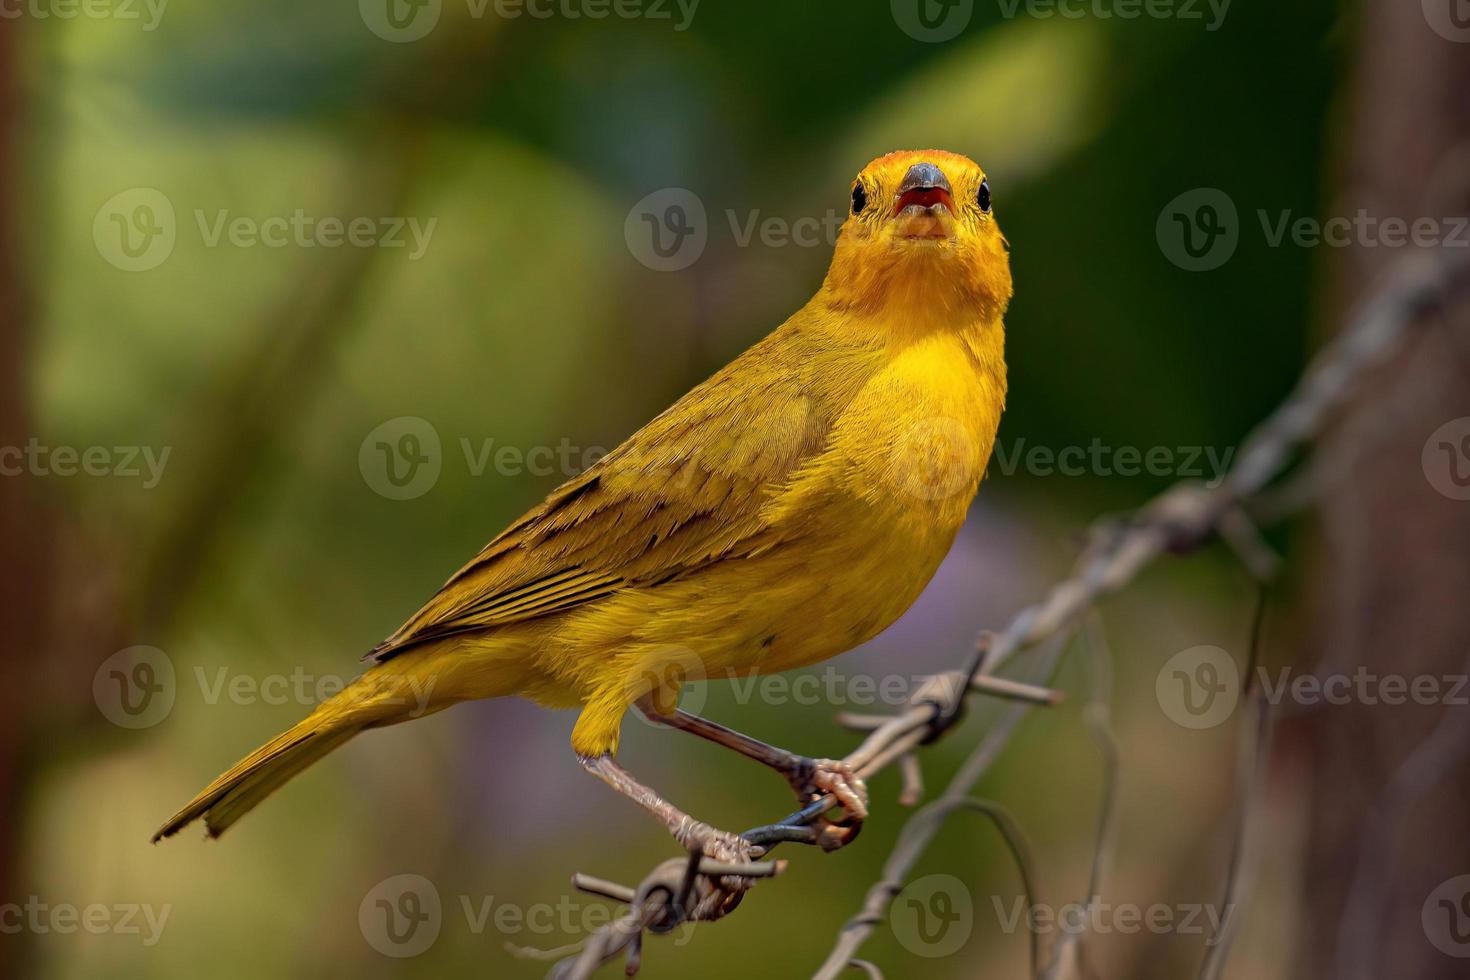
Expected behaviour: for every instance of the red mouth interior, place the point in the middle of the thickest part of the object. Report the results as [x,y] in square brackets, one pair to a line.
[925,197]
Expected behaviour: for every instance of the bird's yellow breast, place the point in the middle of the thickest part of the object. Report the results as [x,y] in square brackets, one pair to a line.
[881,507]
[858,532]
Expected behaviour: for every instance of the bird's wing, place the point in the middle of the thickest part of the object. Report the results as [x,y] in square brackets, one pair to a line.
[687,489]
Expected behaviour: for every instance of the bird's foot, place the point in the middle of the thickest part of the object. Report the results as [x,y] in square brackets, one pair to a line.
[814,778]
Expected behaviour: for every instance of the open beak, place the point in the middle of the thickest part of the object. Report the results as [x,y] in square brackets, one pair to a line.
[924,198]
[924,207]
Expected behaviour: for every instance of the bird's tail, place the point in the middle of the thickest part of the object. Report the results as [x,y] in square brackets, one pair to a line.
[380,696]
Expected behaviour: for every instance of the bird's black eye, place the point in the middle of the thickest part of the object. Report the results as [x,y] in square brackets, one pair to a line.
[982,196]
[859,199]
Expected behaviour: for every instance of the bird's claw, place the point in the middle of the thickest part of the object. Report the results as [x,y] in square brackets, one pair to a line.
[831,835]
[818,777]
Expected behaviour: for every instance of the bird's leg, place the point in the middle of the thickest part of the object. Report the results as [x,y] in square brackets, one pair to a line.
[719,845]
[808,777]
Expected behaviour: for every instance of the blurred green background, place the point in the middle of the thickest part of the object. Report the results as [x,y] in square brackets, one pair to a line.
[529,320]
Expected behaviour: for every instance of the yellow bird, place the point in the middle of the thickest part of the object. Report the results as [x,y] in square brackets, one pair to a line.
[784,511]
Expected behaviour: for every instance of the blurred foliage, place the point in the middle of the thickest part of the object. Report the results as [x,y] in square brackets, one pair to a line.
[529,321]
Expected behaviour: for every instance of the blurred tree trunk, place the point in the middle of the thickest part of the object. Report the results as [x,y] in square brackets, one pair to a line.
[1387,816]
[25,552]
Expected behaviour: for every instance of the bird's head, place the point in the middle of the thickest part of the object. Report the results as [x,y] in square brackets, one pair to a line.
[920,241]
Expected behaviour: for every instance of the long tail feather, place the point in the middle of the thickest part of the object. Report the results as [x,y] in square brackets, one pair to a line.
[404,688]
[255,777]
[380,696]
